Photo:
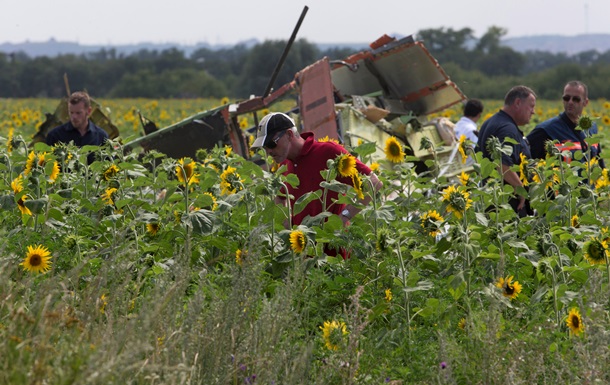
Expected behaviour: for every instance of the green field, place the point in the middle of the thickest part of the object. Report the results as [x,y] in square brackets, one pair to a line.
[151,270]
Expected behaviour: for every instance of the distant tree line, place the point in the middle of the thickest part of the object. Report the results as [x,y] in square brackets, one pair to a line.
[482,68]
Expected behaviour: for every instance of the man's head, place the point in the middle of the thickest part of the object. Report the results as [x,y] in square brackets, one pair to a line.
[575,99]
[473,109]
[519,103]
[275,132]
[79,109]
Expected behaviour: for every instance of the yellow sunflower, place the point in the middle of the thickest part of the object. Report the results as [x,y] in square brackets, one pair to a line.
[185,171]
[462,324]
[111,172]
[9,140]
[54,172]
[374,166]
[430,222]
[298,241]
[42,159]
[462,148]
[357,183]
[596,250]
[574,322]
[457,199]
[388,295]
[109,195]
[346,165]
[393,150]
[574,221]
[238,257]
[523,173]
[17,184]
[213,206]
[328,139]
[333,333]
[509,288]
[153,228]
[230,181]
[37,259]
[224,101]
[603,180]
[29,164]
[464,178]
[21,205]
[103,302]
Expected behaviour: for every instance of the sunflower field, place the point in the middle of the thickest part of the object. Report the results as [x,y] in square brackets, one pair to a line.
[151,270]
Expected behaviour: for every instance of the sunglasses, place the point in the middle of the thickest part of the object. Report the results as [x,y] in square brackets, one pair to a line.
[273,144]
[575,99]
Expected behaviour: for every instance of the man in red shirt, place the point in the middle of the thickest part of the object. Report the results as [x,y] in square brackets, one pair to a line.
[305,157]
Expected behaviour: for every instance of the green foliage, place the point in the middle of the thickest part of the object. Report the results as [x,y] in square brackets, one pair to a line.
[182,271]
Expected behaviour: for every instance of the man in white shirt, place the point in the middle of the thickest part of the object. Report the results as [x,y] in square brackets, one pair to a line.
[467,125]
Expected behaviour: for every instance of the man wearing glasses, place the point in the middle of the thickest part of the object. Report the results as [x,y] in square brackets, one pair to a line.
[562,128]
[306,157]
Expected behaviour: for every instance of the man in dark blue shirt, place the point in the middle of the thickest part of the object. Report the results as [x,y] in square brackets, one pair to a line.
[79,129]
[519,104]
[562,128]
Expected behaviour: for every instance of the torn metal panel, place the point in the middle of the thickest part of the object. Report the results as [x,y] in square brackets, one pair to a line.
[408,77]
[316,101]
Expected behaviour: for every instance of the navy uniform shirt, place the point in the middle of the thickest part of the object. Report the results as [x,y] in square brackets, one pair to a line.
[502,126]
[66,133]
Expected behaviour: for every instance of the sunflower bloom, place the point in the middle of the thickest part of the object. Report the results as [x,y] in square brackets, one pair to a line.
[54,172]
[596,250]
[393,150]
[185,171]
[109,195]
[603,180]
[333,333]
[37,259]
[17,184]
[457,199]
[103,303]
[357,183]
[29,164]
[388,295]
[464,178]
[153,228]
[213,206]
[328,139]
[9,140]
[430,222]
[523,174]
[230,181]
[298,241]
[111,172]
[509,288]
[374,166]
[21,205]
[462,324]
[346,165]
[574,221]
[42,159]
[574,322]
[239,256]
[462,148]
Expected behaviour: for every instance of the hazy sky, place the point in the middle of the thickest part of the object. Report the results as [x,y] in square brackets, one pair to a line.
[117,22]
